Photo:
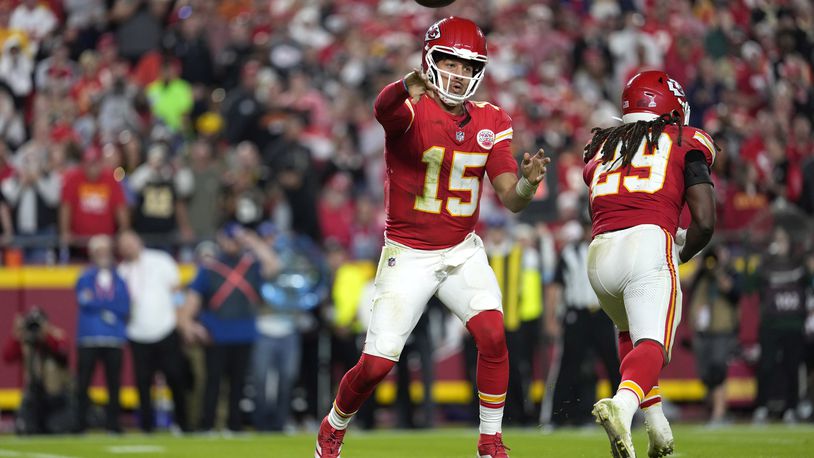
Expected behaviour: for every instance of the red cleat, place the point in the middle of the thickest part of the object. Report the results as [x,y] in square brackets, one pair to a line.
[329,441]
[491,446]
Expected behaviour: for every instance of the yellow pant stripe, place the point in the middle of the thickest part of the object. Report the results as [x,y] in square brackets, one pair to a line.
[492,398]
[634,387]
[654,392]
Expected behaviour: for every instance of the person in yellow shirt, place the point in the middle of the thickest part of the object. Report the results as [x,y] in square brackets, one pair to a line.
[516,262]
[350,285]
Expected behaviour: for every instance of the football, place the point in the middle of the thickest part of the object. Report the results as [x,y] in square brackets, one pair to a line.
[434,3]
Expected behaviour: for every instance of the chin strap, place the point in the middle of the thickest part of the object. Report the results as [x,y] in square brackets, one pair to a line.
[448,101]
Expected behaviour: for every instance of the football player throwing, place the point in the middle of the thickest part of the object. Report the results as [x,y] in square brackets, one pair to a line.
[439,145]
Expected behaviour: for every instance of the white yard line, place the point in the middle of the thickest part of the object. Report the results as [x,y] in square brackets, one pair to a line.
[46,455]
[13,453]
[135,448]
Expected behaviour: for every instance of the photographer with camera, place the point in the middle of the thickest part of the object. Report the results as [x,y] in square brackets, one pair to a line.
[104,307]
[714,294]
[42,350]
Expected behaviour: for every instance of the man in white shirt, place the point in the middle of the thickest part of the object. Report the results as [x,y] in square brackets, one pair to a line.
[153,280]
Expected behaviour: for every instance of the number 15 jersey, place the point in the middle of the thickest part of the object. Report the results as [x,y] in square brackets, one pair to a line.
[435,164]
[651,189]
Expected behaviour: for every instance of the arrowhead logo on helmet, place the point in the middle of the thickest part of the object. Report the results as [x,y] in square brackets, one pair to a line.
[432,33]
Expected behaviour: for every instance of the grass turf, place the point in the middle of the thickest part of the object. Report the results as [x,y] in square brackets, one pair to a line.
[691,441]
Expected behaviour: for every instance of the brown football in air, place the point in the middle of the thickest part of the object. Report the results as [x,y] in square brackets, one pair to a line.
[434,3]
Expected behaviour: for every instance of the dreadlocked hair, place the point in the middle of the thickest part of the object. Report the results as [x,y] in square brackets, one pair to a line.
[630,135]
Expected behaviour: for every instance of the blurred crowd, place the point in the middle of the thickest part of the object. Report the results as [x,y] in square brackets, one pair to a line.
[172,118]
[185,114]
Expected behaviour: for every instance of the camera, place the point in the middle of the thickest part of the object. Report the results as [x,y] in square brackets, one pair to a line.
[33,324]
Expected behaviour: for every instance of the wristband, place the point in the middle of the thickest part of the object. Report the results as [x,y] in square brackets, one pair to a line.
[404,83]
[524,188]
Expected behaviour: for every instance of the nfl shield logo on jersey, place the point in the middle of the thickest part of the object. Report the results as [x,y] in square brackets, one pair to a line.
[486,139]
[391,261]
[459,136]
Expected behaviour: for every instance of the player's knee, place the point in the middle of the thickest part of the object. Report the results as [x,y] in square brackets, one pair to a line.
[487,330]
[389,346]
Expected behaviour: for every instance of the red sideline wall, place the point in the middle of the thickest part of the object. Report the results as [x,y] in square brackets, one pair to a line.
[51,288]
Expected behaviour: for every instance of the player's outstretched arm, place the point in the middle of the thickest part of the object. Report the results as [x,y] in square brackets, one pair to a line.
[516,193]
[392,108]
[701,200]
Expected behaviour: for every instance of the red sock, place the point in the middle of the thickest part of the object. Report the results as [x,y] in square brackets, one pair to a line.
[493,357]
[625,344]
[641,368]
[359,382]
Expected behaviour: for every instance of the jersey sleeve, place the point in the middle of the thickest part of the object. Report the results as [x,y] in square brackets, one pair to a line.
[701,141]
[696,169]
[500,159]
[393,109]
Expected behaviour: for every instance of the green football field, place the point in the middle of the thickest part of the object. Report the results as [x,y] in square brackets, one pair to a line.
[691,441]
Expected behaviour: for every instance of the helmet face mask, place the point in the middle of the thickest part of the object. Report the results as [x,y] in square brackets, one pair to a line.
[443,79]
[456,38]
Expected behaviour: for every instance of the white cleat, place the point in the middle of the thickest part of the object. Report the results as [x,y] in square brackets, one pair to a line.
[660,436]
[608,414]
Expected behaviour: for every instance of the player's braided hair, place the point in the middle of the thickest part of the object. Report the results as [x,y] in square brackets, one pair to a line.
[630,135]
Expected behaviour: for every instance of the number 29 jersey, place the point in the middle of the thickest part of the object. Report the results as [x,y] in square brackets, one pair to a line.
[651,189]
[435,165]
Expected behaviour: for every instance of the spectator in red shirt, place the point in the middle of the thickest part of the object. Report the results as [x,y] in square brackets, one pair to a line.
[92,201]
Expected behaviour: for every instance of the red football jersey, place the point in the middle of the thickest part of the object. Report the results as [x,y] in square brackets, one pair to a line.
[651,189]
[435,166]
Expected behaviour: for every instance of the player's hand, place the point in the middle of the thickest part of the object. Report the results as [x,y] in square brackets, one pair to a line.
[419,84]
[681,237]
[534,167]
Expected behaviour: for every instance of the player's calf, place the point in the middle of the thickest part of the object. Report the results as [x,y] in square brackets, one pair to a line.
[356,386]
[493,368]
